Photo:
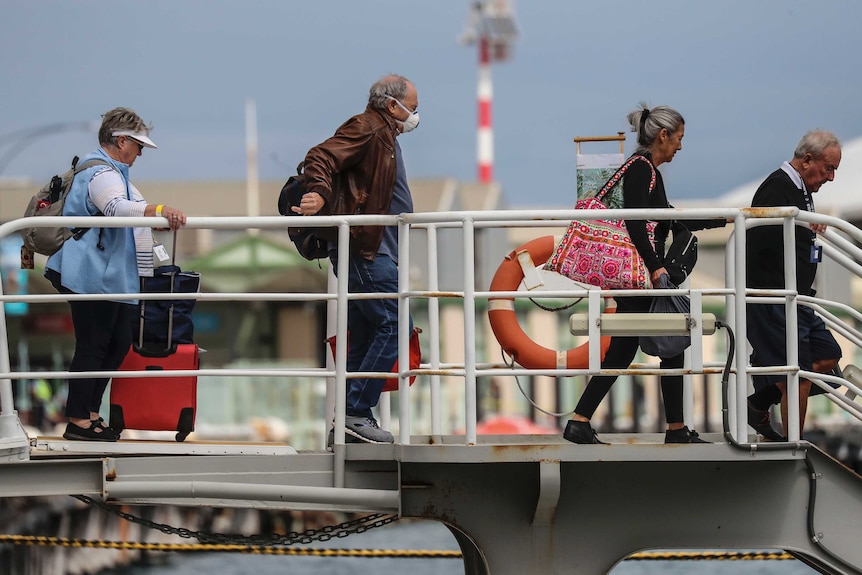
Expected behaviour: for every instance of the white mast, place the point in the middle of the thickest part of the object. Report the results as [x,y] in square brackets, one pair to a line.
[252,185]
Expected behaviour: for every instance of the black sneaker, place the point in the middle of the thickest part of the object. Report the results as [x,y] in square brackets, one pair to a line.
[93,433]
[581,432]
[684,435]
[761,422]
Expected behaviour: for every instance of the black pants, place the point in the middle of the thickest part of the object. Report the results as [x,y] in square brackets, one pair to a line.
[103,334]
[620,354]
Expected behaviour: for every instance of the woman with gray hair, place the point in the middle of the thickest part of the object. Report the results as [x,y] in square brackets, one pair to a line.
[105,261]
[660,131]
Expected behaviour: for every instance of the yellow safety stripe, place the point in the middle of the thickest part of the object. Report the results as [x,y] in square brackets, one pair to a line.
[368,553]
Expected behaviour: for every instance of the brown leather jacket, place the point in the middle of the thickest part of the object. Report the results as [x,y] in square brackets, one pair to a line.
[354,171]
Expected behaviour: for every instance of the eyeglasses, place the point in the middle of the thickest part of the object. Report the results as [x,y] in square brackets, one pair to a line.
[826,165]
[138,142]
[130,135]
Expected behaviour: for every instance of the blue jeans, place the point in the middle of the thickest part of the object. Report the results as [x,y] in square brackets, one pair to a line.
[373,328]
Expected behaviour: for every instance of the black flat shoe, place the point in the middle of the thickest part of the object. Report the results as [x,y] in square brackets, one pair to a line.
[93,433]
[581,432]
[684,435]
[101,423]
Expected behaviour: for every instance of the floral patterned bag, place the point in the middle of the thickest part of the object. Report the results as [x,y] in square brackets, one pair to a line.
[601,252]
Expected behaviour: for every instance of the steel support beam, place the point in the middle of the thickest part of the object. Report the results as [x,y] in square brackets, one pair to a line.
[364,498]
[54,477]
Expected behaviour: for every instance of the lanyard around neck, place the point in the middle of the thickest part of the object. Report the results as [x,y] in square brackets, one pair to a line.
[806,195]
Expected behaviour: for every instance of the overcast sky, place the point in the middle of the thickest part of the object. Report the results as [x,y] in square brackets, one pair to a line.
[750,77]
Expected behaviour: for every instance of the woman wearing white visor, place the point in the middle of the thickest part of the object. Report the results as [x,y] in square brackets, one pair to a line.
[105,261]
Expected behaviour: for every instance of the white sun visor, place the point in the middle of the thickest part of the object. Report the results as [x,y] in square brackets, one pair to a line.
[140,137]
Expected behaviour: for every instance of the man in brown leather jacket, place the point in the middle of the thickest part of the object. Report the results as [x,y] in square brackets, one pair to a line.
[360,170]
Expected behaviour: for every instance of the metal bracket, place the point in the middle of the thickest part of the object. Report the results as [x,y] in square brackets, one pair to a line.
[532,280]
[549,492]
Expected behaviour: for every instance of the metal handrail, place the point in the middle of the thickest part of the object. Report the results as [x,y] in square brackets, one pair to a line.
[429,223]
[735,274]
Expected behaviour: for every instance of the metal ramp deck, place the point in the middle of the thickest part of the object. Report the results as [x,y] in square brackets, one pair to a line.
[42,447]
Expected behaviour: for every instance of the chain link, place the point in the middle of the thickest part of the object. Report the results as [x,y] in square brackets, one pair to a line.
[327,533]
[561,308]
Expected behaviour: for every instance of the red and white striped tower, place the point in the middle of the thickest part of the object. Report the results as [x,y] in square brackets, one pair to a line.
[485,140]
[492,27]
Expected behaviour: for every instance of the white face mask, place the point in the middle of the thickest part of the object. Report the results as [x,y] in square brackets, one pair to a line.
[412,120]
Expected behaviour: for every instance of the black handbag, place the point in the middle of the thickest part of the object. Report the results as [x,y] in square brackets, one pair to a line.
[682,254]
[666,346]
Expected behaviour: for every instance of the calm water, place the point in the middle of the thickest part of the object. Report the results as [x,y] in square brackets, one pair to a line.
[425,535]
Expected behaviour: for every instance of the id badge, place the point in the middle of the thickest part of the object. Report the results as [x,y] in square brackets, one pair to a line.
[161,254]
[816,254]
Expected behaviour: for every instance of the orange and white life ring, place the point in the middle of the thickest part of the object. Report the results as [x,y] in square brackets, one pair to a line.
[504,322]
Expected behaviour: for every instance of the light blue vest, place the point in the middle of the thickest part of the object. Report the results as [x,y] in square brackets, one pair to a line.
[103,259]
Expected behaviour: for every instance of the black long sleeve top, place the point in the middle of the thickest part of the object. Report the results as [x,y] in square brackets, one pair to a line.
[636,194]
[765,244]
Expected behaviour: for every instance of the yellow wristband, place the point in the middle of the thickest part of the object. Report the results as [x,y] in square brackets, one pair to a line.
[159,209]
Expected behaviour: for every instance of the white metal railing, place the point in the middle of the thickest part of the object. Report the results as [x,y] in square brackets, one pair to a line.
[337,297]
[836,247]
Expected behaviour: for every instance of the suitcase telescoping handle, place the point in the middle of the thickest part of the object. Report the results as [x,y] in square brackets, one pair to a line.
[170,309]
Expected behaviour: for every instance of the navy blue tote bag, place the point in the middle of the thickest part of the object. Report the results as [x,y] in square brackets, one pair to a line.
[157,315]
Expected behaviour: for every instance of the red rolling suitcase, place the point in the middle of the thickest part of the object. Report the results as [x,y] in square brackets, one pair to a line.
[156,403]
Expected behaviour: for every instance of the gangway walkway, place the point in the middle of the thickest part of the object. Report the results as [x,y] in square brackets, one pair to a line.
[515,503]
[511,499]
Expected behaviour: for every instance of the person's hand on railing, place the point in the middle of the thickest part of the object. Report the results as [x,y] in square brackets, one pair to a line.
[176,218]
[818,228]
[311,203]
